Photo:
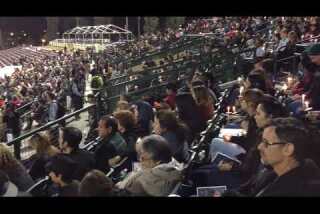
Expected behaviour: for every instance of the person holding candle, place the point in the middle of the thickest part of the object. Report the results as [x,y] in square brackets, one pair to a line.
[234,147]
[308,69]
[311,89]
[314,94]
[267,68]
[267,109]
[256,79]
[203,100]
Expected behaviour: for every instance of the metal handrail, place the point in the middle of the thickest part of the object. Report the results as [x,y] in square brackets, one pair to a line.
[188,43]
[144,71]
[306,40]
[149,77]
[26,105]
[287,58]
[21,137]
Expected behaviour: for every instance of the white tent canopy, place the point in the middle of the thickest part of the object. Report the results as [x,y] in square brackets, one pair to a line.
[97,34]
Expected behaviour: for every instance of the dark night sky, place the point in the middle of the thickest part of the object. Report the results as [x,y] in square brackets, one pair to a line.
[36,25]
[29,24]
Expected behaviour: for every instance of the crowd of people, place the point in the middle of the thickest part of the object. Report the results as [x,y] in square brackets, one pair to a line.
[143,146]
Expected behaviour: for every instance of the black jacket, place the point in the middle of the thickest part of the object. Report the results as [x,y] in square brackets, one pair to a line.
[301,181]
[85,161]
[70,190]
[38,169]
[179,149]
[250,161]
[12,119]
[145,116]
[131,138]
[188,112]
[255,184]
[105,151]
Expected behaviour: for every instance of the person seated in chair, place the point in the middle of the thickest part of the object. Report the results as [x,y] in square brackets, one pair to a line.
[112,145]
[285,148]
[157,177]
[69,140]
[96,184]
[127,127]
[174,131]
[44,151]
[61,170]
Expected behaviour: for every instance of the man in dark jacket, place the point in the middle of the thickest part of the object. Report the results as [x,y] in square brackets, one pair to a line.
[12,119]
[285,147]
[111,145]
[69,140]
[61,170]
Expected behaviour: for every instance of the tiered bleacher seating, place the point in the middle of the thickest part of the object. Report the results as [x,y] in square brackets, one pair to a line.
[10,56]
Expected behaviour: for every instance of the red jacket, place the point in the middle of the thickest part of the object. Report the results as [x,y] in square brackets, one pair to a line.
[171,100]
[1,103]
[300,87]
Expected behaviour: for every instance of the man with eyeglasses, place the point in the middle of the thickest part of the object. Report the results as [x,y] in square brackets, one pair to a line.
[285,147]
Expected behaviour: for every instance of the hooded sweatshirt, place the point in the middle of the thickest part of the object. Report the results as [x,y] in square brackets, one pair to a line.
[157,181]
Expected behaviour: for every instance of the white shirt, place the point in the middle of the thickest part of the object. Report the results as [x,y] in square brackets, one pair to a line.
[282,43]
[260,52]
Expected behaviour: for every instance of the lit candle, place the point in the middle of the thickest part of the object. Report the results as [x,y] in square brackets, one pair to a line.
[306,103]
[289,80]
[228,110]
[303,98]
[241,90]
[284,87]
[234,110]
[239,79]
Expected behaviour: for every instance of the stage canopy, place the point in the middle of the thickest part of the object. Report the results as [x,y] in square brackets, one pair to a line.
[100,34]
